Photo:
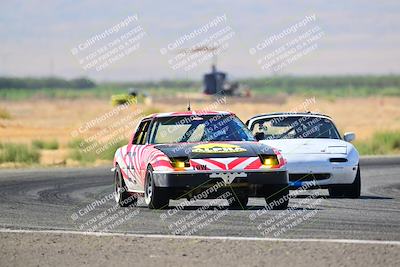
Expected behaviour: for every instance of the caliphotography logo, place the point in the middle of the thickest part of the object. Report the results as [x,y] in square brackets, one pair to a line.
[199,133]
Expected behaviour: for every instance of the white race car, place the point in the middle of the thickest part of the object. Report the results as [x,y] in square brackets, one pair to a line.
[317,156]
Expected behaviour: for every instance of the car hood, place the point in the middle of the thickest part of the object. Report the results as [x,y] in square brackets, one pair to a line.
[309,146]
[215,149]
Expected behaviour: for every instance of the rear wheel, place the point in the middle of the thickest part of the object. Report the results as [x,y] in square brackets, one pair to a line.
[350,191]
[154,196]
[277,198]
[122,196]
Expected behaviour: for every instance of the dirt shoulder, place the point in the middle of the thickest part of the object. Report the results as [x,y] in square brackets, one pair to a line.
[48,249]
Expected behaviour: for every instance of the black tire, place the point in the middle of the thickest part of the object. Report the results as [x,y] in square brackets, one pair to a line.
[155,197]
[277,198]
[238,199]
[122,196]
[349,191]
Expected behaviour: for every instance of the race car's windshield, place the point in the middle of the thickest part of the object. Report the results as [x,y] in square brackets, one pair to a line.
[292,127]
[201,128]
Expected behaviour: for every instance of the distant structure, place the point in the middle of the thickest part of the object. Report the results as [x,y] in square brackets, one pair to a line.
[214,81]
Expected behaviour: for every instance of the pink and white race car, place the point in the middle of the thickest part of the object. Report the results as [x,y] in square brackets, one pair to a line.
[180,155]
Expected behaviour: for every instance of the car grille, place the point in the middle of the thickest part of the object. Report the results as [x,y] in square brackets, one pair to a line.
[308,176]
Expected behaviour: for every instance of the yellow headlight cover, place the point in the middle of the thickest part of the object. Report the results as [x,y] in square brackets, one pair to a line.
[179,164]
[270,161]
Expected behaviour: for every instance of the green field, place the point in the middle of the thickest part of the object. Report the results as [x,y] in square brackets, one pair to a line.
[331,86]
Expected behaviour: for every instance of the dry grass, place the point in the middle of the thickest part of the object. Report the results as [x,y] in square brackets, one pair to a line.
[365,116]
[58,119]
[4,114]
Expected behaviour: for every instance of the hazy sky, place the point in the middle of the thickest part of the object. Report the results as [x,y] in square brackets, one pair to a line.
[358,37]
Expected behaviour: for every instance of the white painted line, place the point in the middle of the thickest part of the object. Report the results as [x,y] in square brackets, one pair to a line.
[233,238]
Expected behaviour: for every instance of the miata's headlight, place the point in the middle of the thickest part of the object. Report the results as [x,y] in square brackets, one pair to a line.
[180,163]
[336,150]
[270,161]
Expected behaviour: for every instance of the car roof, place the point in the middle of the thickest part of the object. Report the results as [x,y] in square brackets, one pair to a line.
[188,113]
[289,114]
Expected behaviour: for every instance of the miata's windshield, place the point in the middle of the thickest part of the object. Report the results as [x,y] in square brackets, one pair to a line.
[292,127]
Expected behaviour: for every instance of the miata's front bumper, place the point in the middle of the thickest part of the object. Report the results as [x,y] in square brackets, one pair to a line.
[318,170]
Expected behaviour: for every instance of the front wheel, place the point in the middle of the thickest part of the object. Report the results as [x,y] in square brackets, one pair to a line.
[350,191]
[154,196]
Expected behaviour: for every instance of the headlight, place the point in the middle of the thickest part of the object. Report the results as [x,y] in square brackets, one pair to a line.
[180,163]
[336,150]
[270,161]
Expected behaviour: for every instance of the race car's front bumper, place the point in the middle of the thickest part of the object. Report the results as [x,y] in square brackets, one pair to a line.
[195,179]
[252,183]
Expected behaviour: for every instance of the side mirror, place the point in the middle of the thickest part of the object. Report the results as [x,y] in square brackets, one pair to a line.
[259,136]
[349,136]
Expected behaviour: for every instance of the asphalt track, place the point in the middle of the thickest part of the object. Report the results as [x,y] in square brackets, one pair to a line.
[62,199]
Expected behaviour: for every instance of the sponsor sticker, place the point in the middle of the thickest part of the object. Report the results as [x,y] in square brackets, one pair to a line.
[218,148]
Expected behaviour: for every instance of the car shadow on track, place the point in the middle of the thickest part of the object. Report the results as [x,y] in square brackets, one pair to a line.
[249,207]
[329,197]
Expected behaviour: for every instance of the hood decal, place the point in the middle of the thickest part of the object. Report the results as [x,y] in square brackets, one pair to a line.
[216,148]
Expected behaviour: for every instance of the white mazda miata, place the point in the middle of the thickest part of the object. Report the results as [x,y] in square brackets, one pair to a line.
[317,156]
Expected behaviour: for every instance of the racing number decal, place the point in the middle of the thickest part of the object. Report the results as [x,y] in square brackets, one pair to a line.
[130,156]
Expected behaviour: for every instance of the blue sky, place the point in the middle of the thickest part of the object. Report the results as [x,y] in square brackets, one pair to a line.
[36,36]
